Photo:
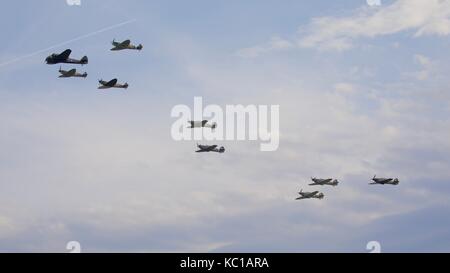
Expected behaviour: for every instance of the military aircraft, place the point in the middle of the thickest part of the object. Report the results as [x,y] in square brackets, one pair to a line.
[71,73]
[111,84]
[323,182]
[309,195]
[210,148]
[202,124]
[64,58]
[384,181]
[125,45]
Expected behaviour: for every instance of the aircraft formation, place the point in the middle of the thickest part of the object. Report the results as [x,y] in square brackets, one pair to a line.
[302,194]
[335,182]
[64,58]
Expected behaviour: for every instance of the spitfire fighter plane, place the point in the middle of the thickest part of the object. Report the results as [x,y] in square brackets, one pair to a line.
[210,148]
[309,195]
[64,58]
[384,181]
[324,182]
[111,84]
[71,73]
[125,45]
[202,124]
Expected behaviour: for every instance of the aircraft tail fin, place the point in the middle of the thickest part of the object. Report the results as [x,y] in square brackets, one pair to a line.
[84,60]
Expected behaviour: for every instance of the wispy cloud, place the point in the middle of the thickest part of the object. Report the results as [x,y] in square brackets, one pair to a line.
[422,17]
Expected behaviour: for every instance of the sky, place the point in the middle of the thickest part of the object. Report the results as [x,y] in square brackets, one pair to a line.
[362,90]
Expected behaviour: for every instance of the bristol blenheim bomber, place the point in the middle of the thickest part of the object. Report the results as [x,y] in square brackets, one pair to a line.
[111,84]
[125,45]
[64,58]
[309,195]
[324,182]
[384,181]
[71,74]
[210,148]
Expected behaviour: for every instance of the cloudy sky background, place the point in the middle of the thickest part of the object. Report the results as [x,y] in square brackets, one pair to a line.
[362,91]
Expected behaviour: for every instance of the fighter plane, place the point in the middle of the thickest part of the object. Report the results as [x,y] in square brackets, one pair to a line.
[309,195]
[111,84]
[71,73]
[202,124]
[323,182]
[64,58]
[125,45]
[384,181]
[210,148]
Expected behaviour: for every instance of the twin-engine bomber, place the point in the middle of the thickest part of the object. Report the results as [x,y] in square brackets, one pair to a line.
[64,58]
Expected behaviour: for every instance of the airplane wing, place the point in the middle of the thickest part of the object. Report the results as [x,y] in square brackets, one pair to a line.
[208,148]
[71,72]
[204,122]
[125,43]
[111,83]
[65,55]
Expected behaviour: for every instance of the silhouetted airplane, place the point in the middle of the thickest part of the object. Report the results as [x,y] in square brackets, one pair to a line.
[64,58]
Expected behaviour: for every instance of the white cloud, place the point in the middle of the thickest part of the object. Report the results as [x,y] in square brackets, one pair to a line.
[422,17]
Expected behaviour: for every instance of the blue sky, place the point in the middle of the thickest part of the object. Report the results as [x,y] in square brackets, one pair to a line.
[362,90]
